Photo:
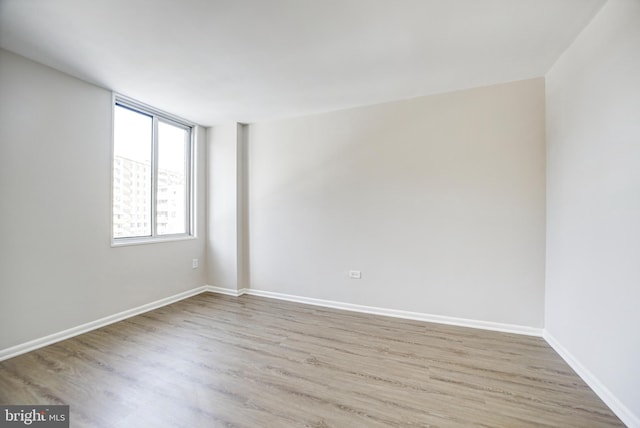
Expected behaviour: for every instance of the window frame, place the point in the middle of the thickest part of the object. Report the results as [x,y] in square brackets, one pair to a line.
[157,116]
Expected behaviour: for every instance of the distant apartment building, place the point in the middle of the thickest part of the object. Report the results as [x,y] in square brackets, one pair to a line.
[132,199]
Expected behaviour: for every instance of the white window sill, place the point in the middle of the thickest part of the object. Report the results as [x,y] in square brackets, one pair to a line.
[124,242]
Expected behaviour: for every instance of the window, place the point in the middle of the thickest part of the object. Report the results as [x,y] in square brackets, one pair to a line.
[151,174]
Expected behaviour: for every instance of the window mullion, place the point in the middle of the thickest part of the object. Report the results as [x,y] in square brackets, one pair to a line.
[188,181]
[154,179]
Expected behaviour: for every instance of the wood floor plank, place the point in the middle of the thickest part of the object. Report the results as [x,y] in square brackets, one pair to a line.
[214,360]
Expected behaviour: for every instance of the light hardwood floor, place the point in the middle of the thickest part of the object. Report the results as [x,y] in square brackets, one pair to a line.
[213,360]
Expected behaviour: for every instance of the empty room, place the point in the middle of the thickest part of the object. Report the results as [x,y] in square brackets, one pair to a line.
[310,213]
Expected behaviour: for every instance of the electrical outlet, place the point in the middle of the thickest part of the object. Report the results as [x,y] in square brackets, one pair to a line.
[355,274]
[194,264]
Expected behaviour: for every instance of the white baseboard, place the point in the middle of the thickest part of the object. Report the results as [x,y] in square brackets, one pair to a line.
[32,345]
[227,291]
[84,328]
[462,322]
[617,407]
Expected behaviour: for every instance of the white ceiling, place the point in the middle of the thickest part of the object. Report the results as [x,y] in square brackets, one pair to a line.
[253,60]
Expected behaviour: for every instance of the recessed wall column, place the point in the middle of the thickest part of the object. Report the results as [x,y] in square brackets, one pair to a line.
[226,205]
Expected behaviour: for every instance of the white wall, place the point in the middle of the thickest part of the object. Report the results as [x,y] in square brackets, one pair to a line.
[593,197]
[439,201]
[57,268]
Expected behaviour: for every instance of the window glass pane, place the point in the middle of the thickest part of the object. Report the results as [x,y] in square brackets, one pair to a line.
[171,206]
[133,132]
